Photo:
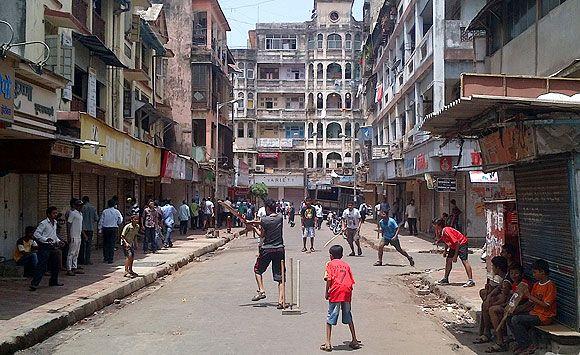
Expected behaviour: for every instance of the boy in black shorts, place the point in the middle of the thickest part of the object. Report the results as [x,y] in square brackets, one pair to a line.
[270,250]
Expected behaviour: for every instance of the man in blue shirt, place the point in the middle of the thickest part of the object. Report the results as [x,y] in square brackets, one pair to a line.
[168,221]
[390,235]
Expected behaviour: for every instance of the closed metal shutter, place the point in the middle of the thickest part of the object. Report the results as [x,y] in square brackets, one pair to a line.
[273,193]
[543,200]
[42,197]
[295,195]
[90,188]
[76,185]
[60,188]
[111,189]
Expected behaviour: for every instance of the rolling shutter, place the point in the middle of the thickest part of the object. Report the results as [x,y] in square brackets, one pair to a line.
[60,188]
[90,188]
[42,197]
[295,195]
[543,200]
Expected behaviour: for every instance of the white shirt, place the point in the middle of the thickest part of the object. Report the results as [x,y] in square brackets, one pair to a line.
[110,218]
[208,209]
[262,212]
[75,218]
[352,218]
[318,211]
[411,211]
[46,230]
[184,213]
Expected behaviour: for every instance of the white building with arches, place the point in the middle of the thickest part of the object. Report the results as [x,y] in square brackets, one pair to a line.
[300,111]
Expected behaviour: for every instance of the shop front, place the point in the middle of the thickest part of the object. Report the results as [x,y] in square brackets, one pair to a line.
[288,186]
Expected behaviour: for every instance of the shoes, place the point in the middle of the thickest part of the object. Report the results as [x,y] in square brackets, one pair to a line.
[312,250]
[79,271]
[259,296]
[469,283]
[55,284]
[443,282]
[70,273]
[378,263]
[352,254]
[359,251]
[411,261]
[304,250]
[32,288]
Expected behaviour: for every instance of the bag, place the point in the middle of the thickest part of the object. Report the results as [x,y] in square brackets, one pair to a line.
[406,226]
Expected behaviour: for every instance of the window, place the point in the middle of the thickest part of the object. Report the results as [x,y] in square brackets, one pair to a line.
[268,102]
[319,40]
[250,73]
[241,102]
[333,101]
[357,42]
[240,130]
[334,71]
[348,71]
[334,41]
[199,28]
[295,103]
[269,73]
[348,101]
[334,16]
[250,130]
[319,101]
[294,131]
[311,42]
[250,102]
[549,5]
[283,42]
[520,15]
[320,71]
[241,66]
[347,129]
[348,41]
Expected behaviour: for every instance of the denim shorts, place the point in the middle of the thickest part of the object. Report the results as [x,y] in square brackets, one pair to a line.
[333,310]
[308,232]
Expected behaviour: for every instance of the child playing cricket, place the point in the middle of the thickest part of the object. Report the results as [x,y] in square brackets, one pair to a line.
[339,282]
[128,238]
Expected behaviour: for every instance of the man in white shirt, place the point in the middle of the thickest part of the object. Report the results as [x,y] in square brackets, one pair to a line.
[184,216]
[48,253]
[411,215]
[75,227]
[109,224]
[319,215]
[351,227]
[208,211]
[262,212]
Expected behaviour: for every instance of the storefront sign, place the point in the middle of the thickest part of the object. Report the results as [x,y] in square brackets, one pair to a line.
[510,145]
[286,142]
[243,174]
[34,100]
[6,91]
[446,185]
[365,133]
[269,143]
[61,149]
[380,152]
[92,93]
[280,180]
[268,155]
[121,151]
[346,178]
[480,176]
[421,162]
[445,163]
[173,166]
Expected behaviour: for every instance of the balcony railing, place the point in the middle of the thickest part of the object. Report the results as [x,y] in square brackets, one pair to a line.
[281,85]
[80,11]
[280,143]
[423,51]
[456,35]
[282,114]
[78,104]
[99,27]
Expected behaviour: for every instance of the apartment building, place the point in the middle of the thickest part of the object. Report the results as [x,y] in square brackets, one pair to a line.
[88,114]
[300,110]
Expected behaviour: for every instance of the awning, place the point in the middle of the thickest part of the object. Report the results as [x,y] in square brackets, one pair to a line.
[94,44]
[64,20]
[147,111]
[150,38]
[451,119]
[479,21]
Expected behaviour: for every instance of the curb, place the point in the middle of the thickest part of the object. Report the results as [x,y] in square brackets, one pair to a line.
[441,291]
[52,323]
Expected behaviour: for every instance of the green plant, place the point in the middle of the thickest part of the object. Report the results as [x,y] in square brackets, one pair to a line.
[259,190]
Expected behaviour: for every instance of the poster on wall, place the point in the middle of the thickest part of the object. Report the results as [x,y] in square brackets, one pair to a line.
[92,93]
[481,177]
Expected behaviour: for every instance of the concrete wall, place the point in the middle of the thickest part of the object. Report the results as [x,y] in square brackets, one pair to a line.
[519,54]
[13,12]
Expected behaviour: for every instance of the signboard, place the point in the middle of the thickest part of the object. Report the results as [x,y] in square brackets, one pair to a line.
[380,152]
[270,143]
[268,155]
[243,174]
[280,180]
[286,142]
[365,133]
[510,145]
[34,100]
[446,163]
[446,184]
[421,162]
[121,151]
[92,93]
[61,149]
[6,91]
[480,176]
[172,166]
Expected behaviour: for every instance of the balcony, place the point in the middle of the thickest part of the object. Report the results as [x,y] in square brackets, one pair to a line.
[281,85]
[78,104]
[99,27]
[282,114]
[281,56]
[80,11]
[457,37]
[245,144]
[287,144]
[419,56]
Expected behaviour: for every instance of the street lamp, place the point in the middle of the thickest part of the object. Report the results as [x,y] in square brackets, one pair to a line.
[352,141]
[218,106]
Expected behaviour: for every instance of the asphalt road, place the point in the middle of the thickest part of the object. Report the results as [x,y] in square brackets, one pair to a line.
[207,308]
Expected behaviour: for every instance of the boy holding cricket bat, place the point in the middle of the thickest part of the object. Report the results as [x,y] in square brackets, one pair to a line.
[128,238]
[455,247]
[339,282]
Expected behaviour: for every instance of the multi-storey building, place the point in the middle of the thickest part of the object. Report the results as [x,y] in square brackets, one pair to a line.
[412,63]
[300,110]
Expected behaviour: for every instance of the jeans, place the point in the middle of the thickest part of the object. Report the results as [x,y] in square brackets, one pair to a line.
[73,253]
[412,225]
[149,240]
[86,248]
[168,231]
[29,262]
[47,259]
[194,222]
[521,325]
[183,226]
[109,238]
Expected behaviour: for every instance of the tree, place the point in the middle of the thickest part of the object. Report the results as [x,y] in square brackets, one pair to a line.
[259,190]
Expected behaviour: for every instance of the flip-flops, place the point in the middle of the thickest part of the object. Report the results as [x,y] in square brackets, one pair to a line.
[327,348]
[354,345]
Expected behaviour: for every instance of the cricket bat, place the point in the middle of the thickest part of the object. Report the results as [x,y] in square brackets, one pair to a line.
[331,239]
[228,206]
[514,301]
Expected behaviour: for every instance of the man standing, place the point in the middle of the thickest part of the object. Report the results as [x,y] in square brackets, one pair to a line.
[308,216]
[271,250]
[150,221]
[90,217]
[109,224]
[385,207]
[390,235]
[48,244]
[184,216]
[455,216]
[411,216]
[363,210]
[75,229]
[168,221]
[208,212]
[319,215]
[194,209]
[456,245]
[351,222]
[25,252]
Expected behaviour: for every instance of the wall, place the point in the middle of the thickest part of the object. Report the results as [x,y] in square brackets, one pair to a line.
[10,228]
[13,12]
[519,54]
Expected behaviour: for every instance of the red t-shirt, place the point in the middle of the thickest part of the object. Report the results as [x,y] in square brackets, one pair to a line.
[453,238]
[340,276]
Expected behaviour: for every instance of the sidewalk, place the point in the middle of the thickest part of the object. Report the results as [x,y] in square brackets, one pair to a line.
[27,318]
[430,263]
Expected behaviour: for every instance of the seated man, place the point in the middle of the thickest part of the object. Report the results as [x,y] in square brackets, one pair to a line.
[25,252]
[543,298]
[495,293]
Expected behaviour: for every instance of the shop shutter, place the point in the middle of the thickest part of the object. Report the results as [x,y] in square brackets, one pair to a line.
[273,193]
[42,197]
[90,188]
[60,188]
[295,195]
[111,189]
[543,200]
[76,185]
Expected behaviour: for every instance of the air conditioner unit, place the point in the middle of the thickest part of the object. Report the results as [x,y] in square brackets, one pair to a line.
[259,168]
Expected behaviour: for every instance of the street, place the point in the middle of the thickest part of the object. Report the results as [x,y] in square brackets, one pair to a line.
[206,308]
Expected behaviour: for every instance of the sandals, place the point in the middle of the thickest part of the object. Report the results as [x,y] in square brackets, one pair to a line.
[354,345]
[259,296]
[496,348]
[482,339]
[327,348]
[378,263]
[282,305]
[312,250]
[304,249]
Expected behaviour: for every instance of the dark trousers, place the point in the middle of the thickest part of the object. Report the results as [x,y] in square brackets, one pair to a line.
[183,227]
[29,262]
[48,259]
[109,238]
[149,240]
[86,248]
[412,225]
[194,222]
[521,325]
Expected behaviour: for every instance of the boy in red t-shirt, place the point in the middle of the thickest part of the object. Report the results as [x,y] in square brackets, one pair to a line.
[455,246]
[339,281]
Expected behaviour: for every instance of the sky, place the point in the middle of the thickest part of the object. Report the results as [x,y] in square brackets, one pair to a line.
[242,15]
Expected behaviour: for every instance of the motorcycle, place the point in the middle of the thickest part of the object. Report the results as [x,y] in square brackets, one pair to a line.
[336,225]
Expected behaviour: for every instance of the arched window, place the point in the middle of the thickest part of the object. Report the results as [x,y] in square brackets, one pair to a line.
[319,40]
[348,41]
[334,71]
[319,101]
[320,71]
[319,130]
[347,100]
[357,158]
[357,71]
[334,41]
[311,42]
[250,103]
[240,130]
[356,128]
[311,160]
[319,160]
[333,160]
[241,102]
[242,67]
[333,130]
[310,104]
[357,42]
[333,101]
[310,130]
[348,71]
[347,129]
[311,71]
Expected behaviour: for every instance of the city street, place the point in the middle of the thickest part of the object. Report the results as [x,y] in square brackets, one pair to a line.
[206,308]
